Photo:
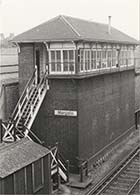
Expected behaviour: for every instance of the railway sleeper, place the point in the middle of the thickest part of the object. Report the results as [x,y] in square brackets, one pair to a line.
[127,176]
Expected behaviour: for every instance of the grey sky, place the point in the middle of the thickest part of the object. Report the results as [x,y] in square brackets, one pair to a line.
[20,15]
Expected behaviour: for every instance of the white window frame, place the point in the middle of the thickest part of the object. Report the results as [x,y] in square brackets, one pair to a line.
[114,58]
[94,50]
[130,57]
[61,53]
[104,60]
[97,60]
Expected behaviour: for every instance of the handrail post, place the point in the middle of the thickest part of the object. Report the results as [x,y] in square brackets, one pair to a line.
[81,173]
[31,110]
[23,127]
[19,109]
[86,168]
[1,131]
[27,92]
[14,130]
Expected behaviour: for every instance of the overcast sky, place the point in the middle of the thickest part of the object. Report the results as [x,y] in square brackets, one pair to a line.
[20,15]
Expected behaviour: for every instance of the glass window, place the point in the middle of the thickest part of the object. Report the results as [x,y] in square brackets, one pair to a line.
[71,60]
[53,61]
[104,59]
[58,61]
[109,58]
[99,54]
[81,59]
[93,59]
[65,61]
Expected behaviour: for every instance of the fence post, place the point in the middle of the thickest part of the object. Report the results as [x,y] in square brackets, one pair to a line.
[1,131]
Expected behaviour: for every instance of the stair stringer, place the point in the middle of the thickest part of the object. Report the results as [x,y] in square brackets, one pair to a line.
[36,110]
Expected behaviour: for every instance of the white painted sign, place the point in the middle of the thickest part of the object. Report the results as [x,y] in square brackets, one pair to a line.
[65,113]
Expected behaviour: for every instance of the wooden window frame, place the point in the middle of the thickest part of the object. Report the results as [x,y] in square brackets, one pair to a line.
[62,62]
[36,189]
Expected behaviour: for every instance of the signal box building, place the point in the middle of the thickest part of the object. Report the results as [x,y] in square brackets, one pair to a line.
[89,105]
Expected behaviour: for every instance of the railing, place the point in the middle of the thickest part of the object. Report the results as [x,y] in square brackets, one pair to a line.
[83,169]
[28,103]
[24,96]
[58,164]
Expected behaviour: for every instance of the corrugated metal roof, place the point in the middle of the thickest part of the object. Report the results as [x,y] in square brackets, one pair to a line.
[19,154]
[65,28]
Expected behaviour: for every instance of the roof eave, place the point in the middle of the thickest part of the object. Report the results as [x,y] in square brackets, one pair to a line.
[77,40]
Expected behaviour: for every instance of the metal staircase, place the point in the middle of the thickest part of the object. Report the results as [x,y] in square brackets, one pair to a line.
[27,107]
[24,114]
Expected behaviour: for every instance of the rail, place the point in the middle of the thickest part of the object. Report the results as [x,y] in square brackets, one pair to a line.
[58,164]
[100,186]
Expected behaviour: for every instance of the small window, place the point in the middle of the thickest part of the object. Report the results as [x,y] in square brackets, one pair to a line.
[38,175]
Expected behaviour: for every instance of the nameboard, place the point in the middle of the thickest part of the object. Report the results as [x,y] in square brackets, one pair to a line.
[65,113]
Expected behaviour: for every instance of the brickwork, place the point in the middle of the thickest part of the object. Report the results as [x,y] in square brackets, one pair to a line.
[26,64]
[106,110]
[105,106]
[63,129]
[137,91]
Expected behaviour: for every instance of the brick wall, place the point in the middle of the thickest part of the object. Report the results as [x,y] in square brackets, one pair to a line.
[105,106]
[26,64]
[106,110]
[137,91]
[63,129]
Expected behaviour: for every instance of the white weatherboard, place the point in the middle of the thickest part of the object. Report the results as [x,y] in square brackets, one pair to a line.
[65,113]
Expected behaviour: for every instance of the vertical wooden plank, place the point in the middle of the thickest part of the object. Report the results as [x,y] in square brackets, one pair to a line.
[0,130]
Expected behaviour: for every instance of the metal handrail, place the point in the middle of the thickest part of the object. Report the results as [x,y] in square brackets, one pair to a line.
[24,92]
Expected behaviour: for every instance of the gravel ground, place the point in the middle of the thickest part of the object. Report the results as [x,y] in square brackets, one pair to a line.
[119,152]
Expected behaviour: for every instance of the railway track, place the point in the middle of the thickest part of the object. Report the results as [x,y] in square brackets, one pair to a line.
[123,179]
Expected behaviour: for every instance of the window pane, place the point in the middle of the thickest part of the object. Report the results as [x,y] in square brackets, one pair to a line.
[93,59]
[65,61]
[52,61]
[98,59]
[71,55]
[58,60]
[52,56]
[81,59]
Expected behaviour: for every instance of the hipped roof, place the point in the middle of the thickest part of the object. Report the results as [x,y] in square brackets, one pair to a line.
[19,154]
[65,28]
